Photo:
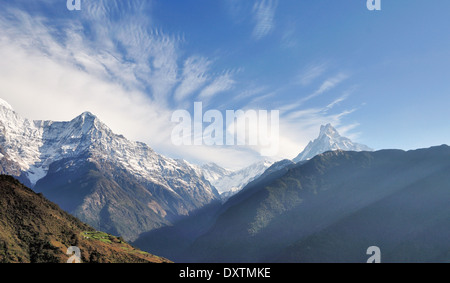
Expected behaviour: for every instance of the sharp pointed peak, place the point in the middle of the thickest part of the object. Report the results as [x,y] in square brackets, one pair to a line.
[329,139]
[327,126]
[88,114]
[87,118]
[328,129]
[6,105]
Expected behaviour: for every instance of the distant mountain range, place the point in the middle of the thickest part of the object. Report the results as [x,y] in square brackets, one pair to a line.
[115,185]
[330,208]
[35,230]
[229,182]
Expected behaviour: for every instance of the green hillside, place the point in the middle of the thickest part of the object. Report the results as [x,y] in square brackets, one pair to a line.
[35,230]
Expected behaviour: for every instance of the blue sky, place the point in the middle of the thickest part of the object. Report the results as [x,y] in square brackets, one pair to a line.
[380,77]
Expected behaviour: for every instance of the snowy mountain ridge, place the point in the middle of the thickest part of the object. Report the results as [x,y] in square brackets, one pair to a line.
[35,145]
[230,182]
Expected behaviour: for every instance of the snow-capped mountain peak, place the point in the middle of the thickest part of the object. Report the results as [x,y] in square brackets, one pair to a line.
[329,139]
[86,118]
[6,105]
[214,172]
[328,131]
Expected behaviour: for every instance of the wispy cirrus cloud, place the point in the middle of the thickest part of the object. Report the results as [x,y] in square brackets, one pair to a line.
[220,84]
[193,78]
[264,17]
[327,85]
[236,9]
[321,112]
[341,98]
[311,73]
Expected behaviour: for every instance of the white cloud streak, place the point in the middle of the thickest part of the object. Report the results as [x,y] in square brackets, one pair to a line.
[326,86]
[220,84]
[311,73]
[264,17]
[194,77]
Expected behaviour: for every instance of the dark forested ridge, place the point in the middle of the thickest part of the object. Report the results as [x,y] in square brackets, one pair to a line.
[335,206]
